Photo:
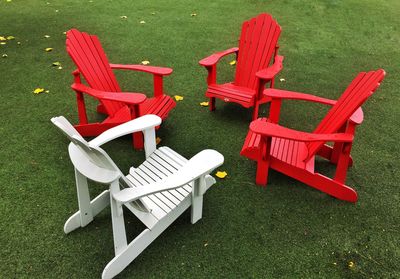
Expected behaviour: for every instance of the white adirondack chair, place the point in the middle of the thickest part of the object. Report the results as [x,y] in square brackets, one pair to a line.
[157,192]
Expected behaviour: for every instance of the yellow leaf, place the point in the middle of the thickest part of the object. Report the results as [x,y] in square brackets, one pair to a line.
[123,17]
[8,1]
[153,13]
[48,49]
[351,264]
[47,36]
[158,140]
[47,91]
[18,43]
[142,22]
[145,62]
[38,90]
[193,14]
[65,33]
[282,79]
[2,38]
[57,11]
[2,43]
[233,62]
[56,64]
[4,55]
[59,67]
[221,174]
[178,98]
[204,104]
[10,37]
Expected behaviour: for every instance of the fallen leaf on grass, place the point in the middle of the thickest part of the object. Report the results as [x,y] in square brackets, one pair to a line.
[158,140]
[193,14]
[48,49]
[10,38]
[178,98]
[351,264]
[282,79]
[233,62]
[153,13]
[3,38]
[38,90]
[123,17]
[2,43]
[46,36]
[142,22]
[8,1]
[4,55]
[221,174]
[56,64]
[204,104]
[145,62]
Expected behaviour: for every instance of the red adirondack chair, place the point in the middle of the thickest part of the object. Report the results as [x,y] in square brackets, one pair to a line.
[92,63]
[257,46]
[293,152]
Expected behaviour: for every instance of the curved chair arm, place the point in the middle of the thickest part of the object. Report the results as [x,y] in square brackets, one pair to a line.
[357,117]
[163,71]
[199,165]
[270,72]
[269,129]
[214,58]
[125,97]
[143,123]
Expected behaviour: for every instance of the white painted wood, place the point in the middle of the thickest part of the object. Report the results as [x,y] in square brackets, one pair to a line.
[156,192]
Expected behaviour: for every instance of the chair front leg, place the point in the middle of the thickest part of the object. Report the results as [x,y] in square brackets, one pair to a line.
[158,85]
[199,188]
[263,162]
[80,100]
[137,137]
[212,79]
[258,97]
[343,163]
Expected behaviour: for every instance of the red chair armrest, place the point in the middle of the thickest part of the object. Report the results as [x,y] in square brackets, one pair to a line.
[269,129]
[283,94]
[271,71]
[214,58]
[141,68]
[125,97]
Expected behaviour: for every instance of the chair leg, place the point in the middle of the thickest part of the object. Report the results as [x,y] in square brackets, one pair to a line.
[255,111]
[96,205]
[262,172]
[212,104]
[199,189]
[117,218]
[138,142]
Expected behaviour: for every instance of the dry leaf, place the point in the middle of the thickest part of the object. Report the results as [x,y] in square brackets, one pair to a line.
[204,104]
[47,36]
[2,38]
[153,13]
[205,244]
[282,79]
[47,91]
[57,11]
[142,22]
[4,55]
[18,43]
[48,49]
[65,33]
[351,264]
[59,68]
[193,14]
[158,140]
[38,90]
[178,98]
[233,62]
[123,17]
[8,1]
[10,37]
[2,43]
[145,62]
[56,64]
[221,174]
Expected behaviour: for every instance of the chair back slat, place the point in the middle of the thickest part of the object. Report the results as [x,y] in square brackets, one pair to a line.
[257,43]
[363,86]
[89,57]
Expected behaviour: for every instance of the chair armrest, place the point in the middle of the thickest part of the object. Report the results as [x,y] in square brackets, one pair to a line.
[125,97]
[271,71]
[200,164]
[143,123]
[284,94]
[270,129]
[214,58]
[141,68]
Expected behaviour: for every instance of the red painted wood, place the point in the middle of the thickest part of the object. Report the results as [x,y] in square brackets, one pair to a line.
[88,55]
[293,152]
[257,46]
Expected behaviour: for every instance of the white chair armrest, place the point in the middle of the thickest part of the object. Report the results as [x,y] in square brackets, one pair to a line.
[146,122]
[200,164]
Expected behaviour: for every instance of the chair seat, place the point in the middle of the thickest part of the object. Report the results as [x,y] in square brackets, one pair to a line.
[289,151]
[160,106]
[160,164]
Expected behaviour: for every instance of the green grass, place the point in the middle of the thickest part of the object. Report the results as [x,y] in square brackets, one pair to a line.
[284,230]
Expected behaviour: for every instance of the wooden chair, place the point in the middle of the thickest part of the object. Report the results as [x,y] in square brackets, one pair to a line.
[258,43]
[92,63]
[293,152]
[157,192]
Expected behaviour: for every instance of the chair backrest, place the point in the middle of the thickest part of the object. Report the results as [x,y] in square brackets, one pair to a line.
[257,44]
[363,86]
[88,55]
[92,161]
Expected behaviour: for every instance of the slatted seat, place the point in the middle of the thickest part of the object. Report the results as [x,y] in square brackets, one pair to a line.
[157,192]
[293,152]
[258,47]
[93,65]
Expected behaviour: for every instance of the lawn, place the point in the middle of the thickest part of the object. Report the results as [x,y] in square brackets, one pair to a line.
[284,230]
